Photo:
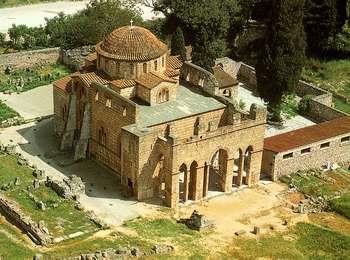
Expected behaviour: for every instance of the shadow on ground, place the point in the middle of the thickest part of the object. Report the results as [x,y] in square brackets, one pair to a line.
[99,181]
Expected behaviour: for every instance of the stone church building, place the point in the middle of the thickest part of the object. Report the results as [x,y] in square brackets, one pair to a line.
[169,128]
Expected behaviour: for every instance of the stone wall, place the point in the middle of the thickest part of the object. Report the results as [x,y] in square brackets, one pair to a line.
[319,156]
[321,106]
[29,59]
[76,57]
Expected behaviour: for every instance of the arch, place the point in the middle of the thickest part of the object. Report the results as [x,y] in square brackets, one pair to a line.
[217,171]
[155,65]
[163,62]
[192,186]
[158,177]
[101,133]
[144,67]
[183,183]
[247,164]
[163,95]
[237,168]
[96,94]
[227,93]
[131,69]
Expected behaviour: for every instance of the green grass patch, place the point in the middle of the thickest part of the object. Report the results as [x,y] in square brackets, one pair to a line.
[170,232]
[304,241]
[60,216]
[341,105]
[33,78]
[6,112]
[342,205]
[10,249]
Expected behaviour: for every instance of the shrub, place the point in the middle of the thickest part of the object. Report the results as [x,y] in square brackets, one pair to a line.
[342,205]
[304,104]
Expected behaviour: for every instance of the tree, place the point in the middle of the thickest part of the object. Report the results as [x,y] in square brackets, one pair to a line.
[178,44]
[99,17]
[203,23]
[323,19]
[280,63]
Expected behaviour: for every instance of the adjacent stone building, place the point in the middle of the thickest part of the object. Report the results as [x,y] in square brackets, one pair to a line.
[169,128]
[320,145]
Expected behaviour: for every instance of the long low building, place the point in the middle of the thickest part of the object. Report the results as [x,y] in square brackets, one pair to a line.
[310,147]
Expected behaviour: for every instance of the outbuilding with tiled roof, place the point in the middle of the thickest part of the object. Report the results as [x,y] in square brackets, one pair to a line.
[315,146]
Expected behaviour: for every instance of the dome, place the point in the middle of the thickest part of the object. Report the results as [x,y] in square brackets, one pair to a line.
[131,43]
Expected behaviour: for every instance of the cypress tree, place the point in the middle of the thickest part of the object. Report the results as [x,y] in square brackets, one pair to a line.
[279,66]
[178,44]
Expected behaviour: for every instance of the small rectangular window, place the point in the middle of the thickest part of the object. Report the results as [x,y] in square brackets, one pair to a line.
[324,145]
[287,155]
[306,150]
[345,139]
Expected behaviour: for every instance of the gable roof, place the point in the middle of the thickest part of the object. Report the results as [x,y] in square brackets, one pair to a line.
[224,79]
[65,83]
[88,78]
[174,62]
[122,83]
[151,80]
[308,135]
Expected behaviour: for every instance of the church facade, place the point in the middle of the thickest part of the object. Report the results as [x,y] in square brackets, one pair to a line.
[170,128]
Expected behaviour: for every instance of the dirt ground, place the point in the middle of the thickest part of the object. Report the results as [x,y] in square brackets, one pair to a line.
[244,209]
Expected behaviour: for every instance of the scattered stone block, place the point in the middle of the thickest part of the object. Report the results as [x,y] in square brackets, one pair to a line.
[240,232]
[256,230]
[17,181]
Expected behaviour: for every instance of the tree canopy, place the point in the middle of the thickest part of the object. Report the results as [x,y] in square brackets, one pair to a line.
[92,24]
[178,44]
[280,64]
[204,23]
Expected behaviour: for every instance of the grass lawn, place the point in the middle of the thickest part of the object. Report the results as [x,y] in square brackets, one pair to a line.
[61,217]
[333,76]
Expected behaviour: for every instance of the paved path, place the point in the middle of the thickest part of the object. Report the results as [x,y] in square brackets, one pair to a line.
[37,102]
[34,15]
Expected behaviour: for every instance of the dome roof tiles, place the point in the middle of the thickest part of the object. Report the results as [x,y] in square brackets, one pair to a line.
[131,43]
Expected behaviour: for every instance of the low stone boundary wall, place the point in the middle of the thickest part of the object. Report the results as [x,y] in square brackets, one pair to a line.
[36,231]
[69,188]
[320,106]
[29,59]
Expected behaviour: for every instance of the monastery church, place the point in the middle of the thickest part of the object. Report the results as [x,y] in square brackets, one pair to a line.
[169,128]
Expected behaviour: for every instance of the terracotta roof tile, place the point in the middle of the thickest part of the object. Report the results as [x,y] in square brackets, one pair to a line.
[131,43]
[88,78]
[224,79]
[153,79]
[308,135]
[122,83]
[64,83]
[174,62]
[91,57]
[169,72]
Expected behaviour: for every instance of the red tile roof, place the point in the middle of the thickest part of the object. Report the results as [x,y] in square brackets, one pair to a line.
[88,78]
[64,83]
[308,135]
[122,83]
[169,72]
[151,80]
[91,57]
[224,79]
[174,62]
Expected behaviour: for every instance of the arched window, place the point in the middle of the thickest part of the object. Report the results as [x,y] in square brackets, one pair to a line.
[131,68]
[163,62]
[117,67]
[108,102]
[102,136]
[96,95]
[145,68]
[155,65]
[163,95]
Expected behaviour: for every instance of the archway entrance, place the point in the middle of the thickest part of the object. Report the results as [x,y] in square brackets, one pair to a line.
[247,162]
[158,178]
[217,171]
[183,176]
[237,168]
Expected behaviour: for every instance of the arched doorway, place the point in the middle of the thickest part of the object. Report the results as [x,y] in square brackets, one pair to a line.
[217,170]
[247,162]
[183,183]
[237,168]
[158,178]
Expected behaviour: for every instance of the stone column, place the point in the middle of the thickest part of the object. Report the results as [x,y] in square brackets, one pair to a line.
[171,189]
[206,180]
[186,185]
[199,183]
[227,187]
